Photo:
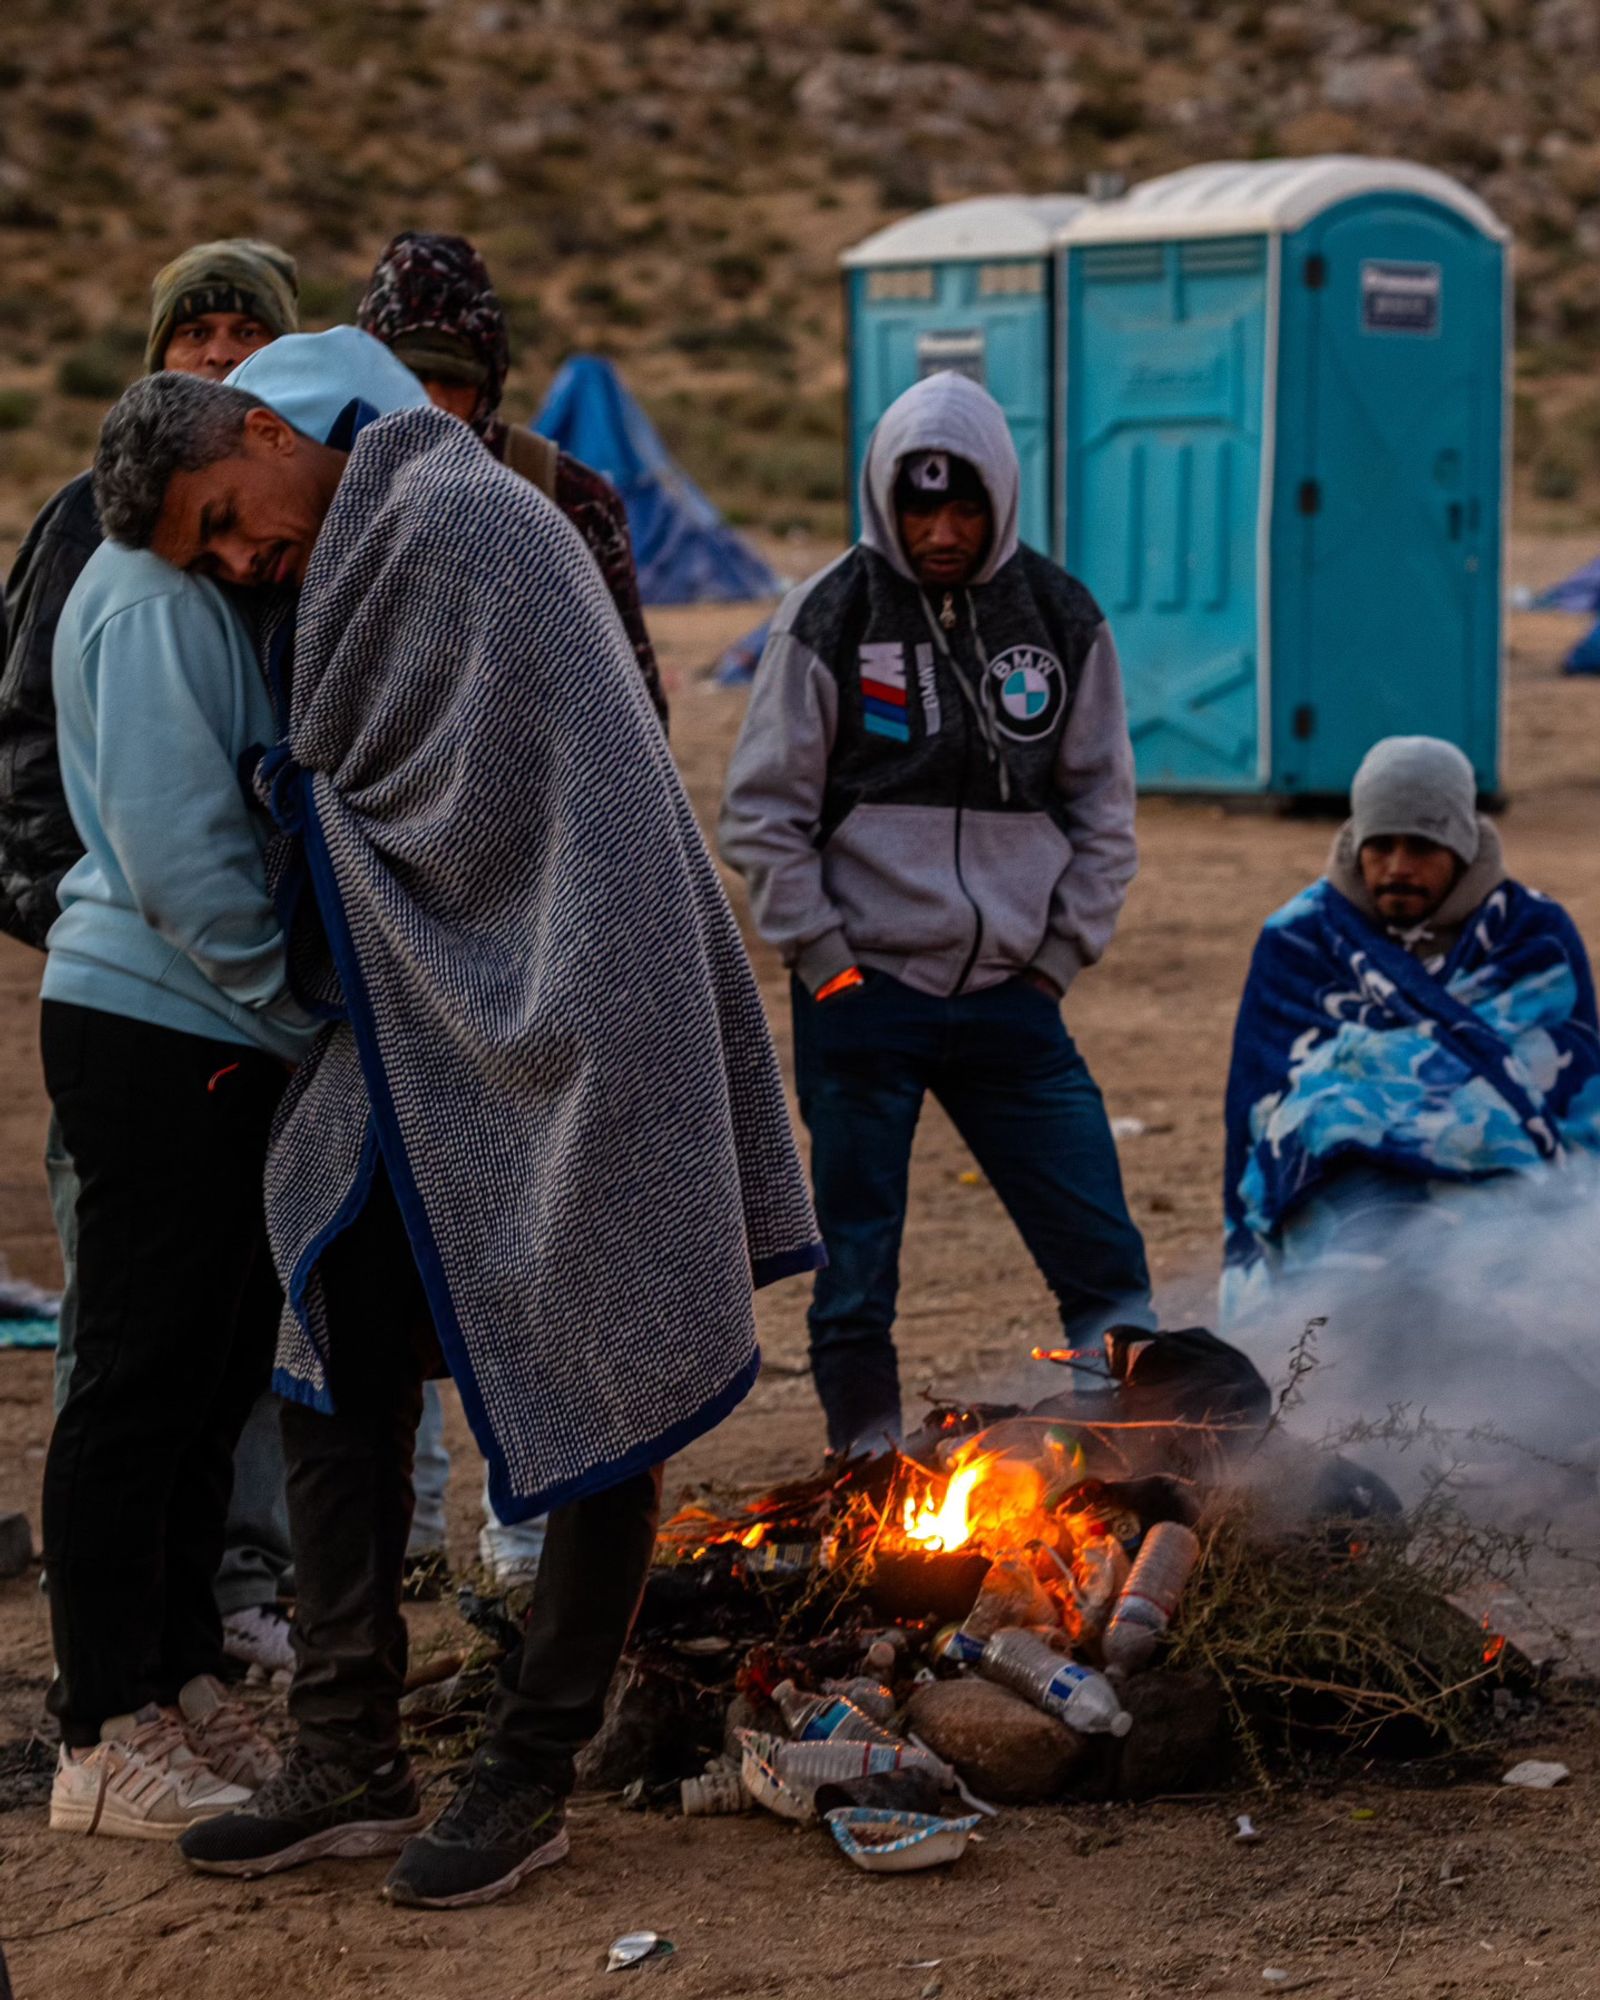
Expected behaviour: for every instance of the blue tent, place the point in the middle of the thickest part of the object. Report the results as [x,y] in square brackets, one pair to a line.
[737,665]
[1578,592]
[686,552]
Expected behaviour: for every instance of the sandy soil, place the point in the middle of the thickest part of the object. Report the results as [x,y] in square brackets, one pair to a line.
[1345,1892]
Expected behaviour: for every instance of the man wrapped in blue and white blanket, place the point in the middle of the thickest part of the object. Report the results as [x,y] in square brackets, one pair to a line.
[1414,1025]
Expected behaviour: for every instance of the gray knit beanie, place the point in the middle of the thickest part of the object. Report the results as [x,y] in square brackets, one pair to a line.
[1419,785]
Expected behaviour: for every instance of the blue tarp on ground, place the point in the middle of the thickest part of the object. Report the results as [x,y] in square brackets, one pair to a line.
[686,552]
[738,663]
[1578,592]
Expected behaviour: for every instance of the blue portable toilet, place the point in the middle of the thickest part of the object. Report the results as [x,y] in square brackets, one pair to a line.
[1285,415]
[969,286]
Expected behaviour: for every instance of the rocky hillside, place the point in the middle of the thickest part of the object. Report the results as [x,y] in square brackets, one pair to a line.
[670,180]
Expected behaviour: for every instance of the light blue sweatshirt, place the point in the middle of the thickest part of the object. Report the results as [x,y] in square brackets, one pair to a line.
[166,919]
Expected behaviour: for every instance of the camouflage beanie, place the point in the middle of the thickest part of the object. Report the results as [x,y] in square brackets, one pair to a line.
[236,275]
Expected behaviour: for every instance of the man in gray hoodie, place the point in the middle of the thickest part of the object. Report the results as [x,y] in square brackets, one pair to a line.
[932,802]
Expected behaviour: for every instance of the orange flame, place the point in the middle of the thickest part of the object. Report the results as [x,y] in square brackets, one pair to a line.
[948,1525]
[752,1537]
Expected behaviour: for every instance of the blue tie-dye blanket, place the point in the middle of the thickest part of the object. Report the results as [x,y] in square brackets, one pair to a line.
[1350,1055]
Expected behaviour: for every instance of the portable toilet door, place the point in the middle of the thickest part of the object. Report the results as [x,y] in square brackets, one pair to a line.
[1166,432]
[1287,480]
[1387,527]
[969,286]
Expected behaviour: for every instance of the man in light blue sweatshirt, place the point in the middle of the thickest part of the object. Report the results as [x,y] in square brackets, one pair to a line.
[167,1033]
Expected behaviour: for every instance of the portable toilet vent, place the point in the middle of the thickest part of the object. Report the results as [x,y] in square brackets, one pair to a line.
[1285,419]
[970,286]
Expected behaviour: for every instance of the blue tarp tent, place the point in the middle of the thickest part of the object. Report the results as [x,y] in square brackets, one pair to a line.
[737,665]
[686,552]
[1578,592]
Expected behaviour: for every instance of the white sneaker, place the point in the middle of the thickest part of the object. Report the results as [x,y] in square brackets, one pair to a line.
[224,1736]
[259,1637]
[511,1555]
[141,1781]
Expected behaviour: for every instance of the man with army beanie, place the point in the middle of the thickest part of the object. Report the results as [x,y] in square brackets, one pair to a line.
[210,308]
[932,801]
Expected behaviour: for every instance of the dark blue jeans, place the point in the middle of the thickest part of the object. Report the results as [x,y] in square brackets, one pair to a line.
[1015,1087]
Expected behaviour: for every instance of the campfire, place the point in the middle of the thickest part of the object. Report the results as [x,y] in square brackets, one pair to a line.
[1081,1600]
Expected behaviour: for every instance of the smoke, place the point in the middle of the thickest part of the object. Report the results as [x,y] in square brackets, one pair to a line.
[1461,1334]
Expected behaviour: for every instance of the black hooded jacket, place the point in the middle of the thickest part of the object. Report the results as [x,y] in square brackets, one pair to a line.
[38,842]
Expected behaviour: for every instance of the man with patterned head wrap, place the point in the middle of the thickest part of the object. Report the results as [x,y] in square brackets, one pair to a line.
[431,302]
[209,308]
[430,299]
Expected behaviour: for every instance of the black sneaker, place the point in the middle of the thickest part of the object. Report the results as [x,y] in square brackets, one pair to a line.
[312,1810]
[497,1829]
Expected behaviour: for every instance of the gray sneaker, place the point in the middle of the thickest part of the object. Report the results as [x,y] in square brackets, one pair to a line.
[312,1810]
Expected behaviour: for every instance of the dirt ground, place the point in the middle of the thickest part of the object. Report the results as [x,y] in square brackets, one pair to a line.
[1362,1890]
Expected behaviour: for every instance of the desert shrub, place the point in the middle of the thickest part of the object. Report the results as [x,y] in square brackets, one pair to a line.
[18,407]
[331,299]
[600,295]
[737,273]
[753,337]
[100,368]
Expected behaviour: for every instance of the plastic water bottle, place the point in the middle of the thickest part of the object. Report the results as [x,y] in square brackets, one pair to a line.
[824,1718]
[1011,1595]
[870,1696]
[883,1655]
[1150,1596]
[958,1646]
[1083,1699]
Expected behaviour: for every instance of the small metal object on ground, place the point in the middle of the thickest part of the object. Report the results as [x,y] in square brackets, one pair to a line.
[1536,1777]
[635,1948]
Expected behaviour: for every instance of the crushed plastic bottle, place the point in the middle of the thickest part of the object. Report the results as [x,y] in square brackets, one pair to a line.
[1150,1596]
[1011,1595]
[1099,1576]
[719,1789]
[824,1718]
[1083,1699]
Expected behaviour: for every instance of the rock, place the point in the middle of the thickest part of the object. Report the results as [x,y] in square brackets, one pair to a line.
[1374,83]
[1178,1740]
[16,1544]
[745,1712]
[652,1733]
[1007,1751]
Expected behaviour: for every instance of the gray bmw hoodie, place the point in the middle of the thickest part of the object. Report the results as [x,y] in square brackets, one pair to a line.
[938,784]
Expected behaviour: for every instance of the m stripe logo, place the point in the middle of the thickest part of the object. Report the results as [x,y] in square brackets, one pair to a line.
[883,690]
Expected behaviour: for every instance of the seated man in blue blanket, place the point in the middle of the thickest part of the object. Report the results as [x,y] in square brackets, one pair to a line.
[1415,1026]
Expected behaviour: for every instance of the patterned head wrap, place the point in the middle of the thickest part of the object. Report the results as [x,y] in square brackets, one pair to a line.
[430,299]
[236,275]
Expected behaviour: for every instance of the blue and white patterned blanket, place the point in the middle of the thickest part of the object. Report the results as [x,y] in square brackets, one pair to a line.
[1349,1055]
[549,1030]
